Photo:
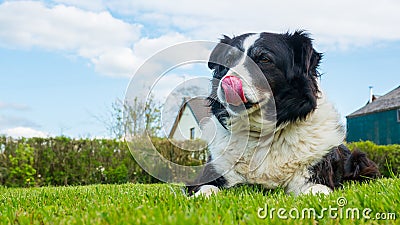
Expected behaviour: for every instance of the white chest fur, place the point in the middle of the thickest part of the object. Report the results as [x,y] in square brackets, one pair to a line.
[280,157]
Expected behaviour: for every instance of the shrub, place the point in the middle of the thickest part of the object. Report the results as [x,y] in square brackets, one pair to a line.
[118,175]
[64,161]
[21,171]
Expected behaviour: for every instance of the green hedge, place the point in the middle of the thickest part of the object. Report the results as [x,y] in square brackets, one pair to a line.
[387,157]
[64,161]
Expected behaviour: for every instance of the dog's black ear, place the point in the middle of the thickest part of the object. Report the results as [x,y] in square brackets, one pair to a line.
[301,95]
[218,52]
[305,58]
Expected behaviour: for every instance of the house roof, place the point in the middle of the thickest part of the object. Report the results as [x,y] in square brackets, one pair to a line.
[198,106]
[386,102]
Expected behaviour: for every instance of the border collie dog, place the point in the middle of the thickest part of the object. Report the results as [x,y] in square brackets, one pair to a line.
[272,123]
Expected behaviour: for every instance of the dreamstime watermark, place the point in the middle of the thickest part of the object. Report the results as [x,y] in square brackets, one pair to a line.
[338,211]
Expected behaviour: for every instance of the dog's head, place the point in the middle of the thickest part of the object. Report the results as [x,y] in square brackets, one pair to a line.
[288,62]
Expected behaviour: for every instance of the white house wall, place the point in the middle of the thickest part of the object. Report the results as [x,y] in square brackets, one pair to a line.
[186,122]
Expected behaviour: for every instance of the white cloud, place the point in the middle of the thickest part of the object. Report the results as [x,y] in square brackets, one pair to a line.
[29,24]
[118,46]
[92,5]
[13,106]
[113,46]
[125,61]
[335,23]
[7,121]
[116,62]
[147,47]
[27,132]
[182,58]
[68,29]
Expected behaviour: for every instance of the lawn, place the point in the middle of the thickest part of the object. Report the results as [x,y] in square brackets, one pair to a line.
[165,204]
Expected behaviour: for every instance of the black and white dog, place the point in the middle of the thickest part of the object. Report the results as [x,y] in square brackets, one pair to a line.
[298,144]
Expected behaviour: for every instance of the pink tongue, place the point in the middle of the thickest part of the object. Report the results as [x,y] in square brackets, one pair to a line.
[233,89]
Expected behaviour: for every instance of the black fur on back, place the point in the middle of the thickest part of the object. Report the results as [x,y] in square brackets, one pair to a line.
[340,164]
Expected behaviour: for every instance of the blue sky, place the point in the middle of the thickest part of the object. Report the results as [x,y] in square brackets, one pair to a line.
[63,62]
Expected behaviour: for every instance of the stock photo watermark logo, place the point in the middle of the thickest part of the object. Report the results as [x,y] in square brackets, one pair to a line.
[158,78]
[340,210]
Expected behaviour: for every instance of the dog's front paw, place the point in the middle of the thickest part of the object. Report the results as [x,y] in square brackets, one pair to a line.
[317,189]
[206,191]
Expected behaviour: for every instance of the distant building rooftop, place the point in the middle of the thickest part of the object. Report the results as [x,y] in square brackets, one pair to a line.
[198,106]
[383,103]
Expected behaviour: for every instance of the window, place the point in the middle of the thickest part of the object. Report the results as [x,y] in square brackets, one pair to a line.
[398,115]
[192,133]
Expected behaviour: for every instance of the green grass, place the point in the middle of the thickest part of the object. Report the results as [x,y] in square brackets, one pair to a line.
[165,204]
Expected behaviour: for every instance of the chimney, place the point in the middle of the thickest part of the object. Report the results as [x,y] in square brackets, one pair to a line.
[371,95]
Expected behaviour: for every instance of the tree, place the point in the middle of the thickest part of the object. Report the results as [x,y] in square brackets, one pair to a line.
[135,118]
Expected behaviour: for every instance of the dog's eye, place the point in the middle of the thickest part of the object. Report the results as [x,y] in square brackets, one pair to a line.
[264,59]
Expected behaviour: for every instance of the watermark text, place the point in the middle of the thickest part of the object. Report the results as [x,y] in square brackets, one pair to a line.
[338,211]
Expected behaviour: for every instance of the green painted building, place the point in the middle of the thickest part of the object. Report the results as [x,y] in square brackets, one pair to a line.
[378,121]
